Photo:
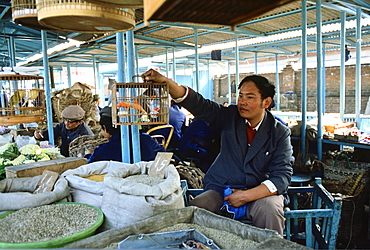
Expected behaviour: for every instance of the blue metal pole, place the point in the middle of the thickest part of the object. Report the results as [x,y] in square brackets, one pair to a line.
[69,75]
[196,60]
[236,65]
[342,92]
[255,64]
[277,84]
[125,138]
[173,64]
[358,68]
[304,80]
[131,72]
[319,77]
[323,83]
[228,83]
[209,82]
[49,112]
[167,64]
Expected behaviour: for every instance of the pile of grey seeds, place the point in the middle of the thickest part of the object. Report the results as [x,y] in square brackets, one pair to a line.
[223,239]
[46,222]
[145,179]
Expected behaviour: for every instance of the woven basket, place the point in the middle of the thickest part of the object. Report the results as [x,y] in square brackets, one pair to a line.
[350,181]
[193,175]
[80,16]
[81,145]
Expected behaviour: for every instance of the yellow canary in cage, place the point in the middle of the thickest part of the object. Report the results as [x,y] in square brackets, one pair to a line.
[17,97]
[32,94]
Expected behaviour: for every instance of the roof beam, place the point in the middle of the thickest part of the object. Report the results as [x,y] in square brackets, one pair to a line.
[340,8]
[160,41]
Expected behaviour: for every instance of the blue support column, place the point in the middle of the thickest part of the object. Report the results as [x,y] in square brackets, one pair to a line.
[342,92]
[131,72]
[236,66]
[255,64]
[228,83]
[173,65]
[11,51]
[125,137]
[136,60]
[277,84]
[167,64]
[323,81]
[196,61]
[319,78]
[69,76]
[304,80]
[49,112]
[358,68]
[209,82]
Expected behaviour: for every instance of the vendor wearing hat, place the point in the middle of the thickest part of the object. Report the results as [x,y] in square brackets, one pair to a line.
[72,127]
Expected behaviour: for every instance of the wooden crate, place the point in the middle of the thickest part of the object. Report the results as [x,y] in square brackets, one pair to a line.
[36,168]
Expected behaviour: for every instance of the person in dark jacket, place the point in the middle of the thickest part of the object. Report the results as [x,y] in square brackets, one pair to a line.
[72,127]
[112,150]
[200,143]
[177,120]
[255,159]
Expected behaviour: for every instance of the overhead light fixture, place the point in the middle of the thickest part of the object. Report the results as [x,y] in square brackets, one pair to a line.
[191,44]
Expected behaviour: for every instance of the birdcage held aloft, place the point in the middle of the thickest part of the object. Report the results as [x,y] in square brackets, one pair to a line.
[140,103]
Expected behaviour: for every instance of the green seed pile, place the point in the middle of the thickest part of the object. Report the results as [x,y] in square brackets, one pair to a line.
[47,222]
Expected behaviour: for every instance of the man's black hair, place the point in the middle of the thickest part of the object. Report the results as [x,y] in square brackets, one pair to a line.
[106,121]
[265,87]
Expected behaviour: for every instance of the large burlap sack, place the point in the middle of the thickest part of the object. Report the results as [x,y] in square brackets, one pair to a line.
[88,191]
[17,193]
[126,201]
[219,230]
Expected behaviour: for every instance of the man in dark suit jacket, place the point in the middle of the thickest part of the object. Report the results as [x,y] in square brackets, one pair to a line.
[255,159]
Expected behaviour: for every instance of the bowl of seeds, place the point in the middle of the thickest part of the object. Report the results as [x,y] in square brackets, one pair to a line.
[49,226]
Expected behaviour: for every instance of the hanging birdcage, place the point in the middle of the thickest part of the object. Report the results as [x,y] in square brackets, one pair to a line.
[120,3]
[22,99]
[140,103]
[84,17]
[24,12]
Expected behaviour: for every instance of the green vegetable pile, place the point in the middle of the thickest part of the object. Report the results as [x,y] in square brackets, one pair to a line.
[10,155]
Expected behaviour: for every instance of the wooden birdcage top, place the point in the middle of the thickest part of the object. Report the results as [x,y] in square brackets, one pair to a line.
[87,17]
[20,77]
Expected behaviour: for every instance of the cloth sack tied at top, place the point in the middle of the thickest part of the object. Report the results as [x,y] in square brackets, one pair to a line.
[127,201]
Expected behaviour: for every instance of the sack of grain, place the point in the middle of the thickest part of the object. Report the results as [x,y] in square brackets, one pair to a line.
[86,181]
[17,193]
[132,195]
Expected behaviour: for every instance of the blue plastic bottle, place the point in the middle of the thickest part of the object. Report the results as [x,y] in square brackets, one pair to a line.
[237,211]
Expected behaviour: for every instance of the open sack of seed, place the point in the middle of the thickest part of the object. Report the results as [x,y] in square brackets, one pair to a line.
[86,181]
[132,195]
[18,193]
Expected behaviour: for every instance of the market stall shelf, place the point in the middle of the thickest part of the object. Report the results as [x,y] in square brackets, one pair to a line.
[37,168]
[22,99]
